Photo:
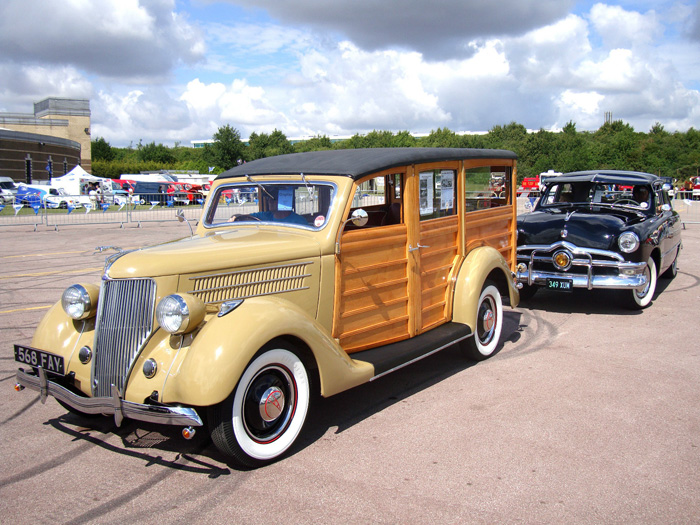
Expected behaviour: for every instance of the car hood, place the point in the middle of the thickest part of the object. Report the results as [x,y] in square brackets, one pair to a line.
[243,247]
[582,226]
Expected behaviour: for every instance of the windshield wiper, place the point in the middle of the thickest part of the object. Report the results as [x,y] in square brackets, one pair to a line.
[308,187]
[259,186]
[613,206]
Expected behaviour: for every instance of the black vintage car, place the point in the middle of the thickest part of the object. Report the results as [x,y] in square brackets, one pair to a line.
[600,229]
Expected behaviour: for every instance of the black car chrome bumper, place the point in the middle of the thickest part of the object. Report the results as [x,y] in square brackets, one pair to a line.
[114,405]
[626,274]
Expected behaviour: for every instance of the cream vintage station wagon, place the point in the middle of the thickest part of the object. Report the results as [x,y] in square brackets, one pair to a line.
[308,274]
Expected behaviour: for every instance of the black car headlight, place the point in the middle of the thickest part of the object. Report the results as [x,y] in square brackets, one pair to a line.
[80,301]
[180,313]
[628,242]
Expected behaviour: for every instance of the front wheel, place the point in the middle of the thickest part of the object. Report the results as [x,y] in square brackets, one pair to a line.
[641,297]
[489,322]
[265,413]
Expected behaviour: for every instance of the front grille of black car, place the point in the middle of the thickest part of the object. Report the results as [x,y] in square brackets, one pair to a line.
[542,262]
[124,323]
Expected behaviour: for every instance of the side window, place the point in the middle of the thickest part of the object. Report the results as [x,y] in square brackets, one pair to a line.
[381,198]
[370,193]
[436,193]
[487,187]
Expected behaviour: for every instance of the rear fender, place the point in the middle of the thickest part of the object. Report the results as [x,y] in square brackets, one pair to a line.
[481,264]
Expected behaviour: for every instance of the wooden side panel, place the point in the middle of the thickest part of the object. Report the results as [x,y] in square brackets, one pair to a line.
[371,306]
[492,227]
[436,265]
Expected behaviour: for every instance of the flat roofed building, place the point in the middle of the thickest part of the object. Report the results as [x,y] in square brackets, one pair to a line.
[61,118]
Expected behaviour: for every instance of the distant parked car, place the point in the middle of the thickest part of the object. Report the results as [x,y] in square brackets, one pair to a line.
[161,192]
[8,190]
[600,229]
[44,197]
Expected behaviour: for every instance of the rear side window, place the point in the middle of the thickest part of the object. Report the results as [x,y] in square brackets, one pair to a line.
[487,187]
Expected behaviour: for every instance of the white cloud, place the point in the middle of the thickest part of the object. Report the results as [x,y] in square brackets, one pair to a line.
[154,73]
[620,28]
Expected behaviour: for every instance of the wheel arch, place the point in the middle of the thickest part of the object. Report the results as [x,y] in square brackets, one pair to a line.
[481,264]
[224,346]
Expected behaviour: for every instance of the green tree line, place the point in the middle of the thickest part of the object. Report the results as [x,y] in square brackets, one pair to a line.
[616,145]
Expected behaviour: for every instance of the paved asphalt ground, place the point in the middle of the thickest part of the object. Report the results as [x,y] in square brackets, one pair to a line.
[588,414]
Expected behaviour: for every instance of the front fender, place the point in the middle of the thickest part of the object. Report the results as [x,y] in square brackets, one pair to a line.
[59,334]
[221,350]
[481,264]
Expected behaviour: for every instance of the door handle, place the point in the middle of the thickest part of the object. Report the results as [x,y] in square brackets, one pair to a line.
[418,247]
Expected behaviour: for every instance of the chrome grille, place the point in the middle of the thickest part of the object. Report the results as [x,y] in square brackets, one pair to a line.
[124,323]
[250,283]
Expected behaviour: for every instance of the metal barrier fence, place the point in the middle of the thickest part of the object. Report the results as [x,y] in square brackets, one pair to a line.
[84,210]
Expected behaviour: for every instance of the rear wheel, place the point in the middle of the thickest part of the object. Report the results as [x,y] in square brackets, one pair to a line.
[672,270]
[266,411]
[489,322]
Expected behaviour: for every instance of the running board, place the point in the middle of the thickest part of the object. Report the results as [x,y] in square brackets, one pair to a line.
[388,358]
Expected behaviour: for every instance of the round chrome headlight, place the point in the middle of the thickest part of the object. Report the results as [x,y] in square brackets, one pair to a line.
[179,314]
[79,301]
[628,242]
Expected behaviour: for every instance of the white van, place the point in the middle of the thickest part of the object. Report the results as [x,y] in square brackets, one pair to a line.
[8,190]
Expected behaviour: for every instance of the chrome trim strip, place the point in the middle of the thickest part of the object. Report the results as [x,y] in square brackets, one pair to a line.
[261,269]
[256,295]
[111,259]
[572,248]
[252,283]
[115,405]
[584,281]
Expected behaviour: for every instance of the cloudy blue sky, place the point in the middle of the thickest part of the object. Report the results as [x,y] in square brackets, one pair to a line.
[176,70]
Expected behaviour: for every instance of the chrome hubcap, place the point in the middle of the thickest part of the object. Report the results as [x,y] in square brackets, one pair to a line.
[271,404]
[488,320]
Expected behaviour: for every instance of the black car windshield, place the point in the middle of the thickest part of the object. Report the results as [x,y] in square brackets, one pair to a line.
[7,185]
[302,204]
[639,197]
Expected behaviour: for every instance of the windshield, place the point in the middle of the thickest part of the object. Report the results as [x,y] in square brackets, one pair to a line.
[7,185]
[569,193]
[288,203]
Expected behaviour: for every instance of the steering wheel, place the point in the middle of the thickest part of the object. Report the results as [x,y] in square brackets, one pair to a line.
[245,217]
[628,201]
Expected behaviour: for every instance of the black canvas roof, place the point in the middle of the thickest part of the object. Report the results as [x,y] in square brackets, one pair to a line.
[357,163]
[625,178]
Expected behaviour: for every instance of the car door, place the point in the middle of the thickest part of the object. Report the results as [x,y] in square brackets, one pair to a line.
[433,249]
[669,228]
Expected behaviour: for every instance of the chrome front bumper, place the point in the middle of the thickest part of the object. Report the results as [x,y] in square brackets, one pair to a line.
[114,405]
[629,274]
